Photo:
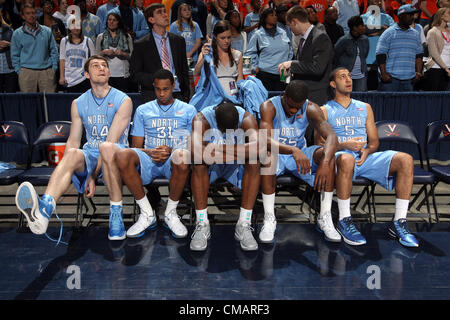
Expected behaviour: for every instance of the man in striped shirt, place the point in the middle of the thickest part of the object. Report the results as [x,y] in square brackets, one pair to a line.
[399,53]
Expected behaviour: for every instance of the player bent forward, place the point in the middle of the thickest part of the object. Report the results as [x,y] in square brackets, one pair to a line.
[286,118]
[214,133]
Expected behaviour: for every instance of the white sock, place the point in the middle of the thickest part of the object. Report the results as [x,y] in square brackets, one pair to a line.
[326,199]
[202,215]
[245,215]
[145,206]
[112,203]
[344,208]
[171,205]
[401,209]
[269,206]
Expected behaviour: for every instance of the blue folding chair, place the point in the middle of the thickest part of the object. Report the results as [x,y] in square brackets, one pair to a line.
[13,132]
[400,131]
[437,132]
[50,132]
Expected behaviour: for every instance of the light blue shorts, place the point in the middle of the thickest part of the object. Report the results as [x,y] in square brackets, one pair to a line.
[90,163]
[375,168]
[233,173]
[286,163]
[150,170]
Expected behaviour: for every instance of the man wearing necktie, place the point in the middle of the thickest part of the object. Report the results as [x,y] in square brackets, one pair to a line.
[314,58]
[159,49]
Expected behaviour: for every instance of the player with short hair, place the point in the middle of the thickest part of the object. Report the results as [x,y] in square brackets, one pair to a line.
[219,150]
[286,118]
[353,121]
[160,132]
[105,114]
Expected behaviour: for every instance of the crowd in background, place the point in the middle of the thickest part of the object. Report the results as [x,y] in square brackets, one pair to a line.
[387,45]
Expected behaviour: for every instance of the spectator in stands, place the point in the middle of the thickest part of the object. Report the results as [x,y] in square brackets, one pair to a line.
[139,5]
[319,7]
[314,56]
[346,9]
[440,4]
[375,26]
[62,13]
[34,54]
[74,50]
[56,25]
[333,30]
[103,10]
[159,49]
[8,77]
[199,12]
[218,10]
[399,53]
[13,9]
[269,47]
[251,20]
[281,20]
[134,21]
[419,29]
[91,23]
[438,64]
[227,61]
[313,18]
[189,30]
[238,37]
[351,52]
[116,45]
[428,9]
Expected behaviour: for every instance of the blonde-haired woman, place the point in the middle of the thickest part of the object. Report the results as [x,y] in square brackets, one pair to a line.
[438,65]
[185,27]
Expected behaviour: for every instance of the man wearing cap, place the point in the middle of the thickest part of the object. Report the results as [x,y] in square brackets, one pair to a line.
[399,53]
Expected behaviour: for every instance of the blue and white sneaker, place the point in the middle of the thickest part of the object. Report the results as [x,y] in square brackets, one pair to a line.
[399,229]
[173,223]
[145,222]
[116,227]
[36,211]
[348,231]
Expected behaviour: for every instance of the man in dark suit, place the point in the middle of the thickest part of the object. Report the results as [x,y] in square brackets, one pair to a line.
[314,56]
[159,49]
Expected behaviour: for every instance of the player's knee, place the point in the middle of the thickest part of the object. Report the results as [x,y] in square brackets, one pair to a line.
[345,163]
[107,151]
[72,156]
[406,161]
[181,159]
[253,168]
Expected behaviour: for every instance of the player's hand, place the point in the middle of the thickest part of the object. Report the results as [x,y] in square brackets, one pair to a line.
[363,156]
[322,177]
[161,153]
[355,144]
[90,187]
[302,161]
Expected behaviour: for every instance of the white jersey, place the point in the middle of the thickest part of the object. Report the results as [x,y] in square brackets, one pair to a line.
[75,55]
